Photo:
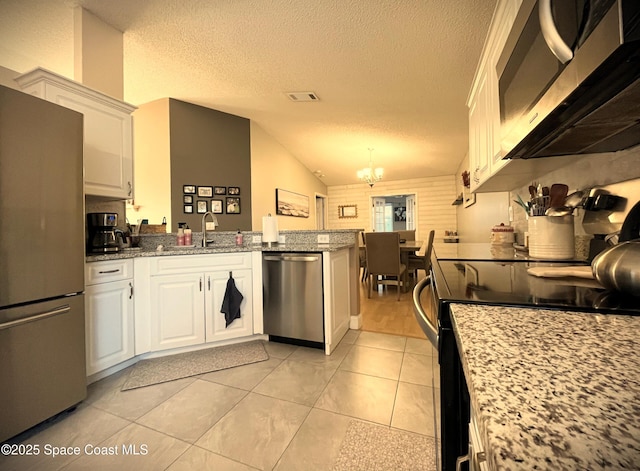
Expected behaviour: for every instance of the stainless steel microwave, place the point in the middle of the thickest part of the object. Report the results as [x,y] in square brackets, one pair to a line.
[569,78]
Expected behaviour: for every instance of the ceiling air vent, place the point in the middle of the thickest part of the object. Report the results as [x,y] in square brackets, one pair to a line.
[302,96]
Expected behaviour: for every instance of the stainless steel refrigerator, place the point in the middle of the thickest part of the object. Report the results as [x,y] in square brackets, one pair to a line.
[42,338]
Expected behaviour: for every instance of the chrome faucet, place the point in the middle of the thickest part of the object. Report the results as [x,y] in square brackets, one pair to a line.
[214,219]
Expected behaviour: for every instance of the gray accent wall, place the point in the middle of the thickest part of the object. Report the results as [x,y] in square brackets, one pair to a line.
[209,148]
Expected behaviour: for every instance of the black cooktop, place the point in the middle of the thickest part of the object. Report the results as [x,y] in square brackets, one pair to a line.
[508,283]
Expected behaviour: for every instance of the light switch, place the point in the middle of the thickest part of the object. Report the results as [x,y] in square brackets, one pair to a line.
[281,239]
[256,239]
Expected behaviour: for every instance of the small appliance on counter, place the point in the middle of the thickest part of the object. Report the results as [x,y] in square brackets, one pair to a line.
[103,234]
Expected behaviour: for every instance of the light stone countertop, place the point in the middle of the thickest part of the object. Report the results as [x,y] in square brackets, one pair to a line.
[551,389]
[133,253]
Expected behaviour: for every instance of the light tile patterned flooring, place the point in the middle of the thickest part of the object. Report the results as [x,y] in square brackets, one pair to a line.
[288,413]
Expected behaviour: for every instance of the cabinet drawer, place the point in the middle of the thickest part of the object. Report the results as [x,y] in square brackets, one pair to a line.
[112,270]
[199,263]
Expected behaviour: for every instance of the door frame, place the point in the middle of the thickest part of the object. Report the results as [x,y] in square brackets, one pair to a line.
[392,193]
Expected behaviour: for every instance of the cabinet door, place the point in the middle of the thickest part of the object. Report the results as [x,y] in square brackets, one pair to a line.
[216,328]
[108,152]
[177,311]
[108,324]
[337,293]
[480,132]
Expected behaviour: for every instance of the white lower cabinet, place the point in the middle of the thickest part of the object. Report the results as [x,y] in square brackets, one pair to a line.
[215,321]
[337,294]
[177,302]
[186,295]
[109,316]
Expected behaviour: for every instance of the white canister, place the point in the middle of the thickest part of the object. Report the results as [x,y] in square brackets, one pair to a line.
[502,235]
[551,237]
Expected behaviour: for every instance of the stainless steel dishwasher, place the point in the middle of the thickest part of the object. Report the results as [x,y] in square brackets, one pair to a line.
[292,298]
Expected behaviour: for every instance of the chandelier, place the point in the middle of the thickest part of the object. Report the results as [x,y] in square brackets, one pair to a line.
[369,175]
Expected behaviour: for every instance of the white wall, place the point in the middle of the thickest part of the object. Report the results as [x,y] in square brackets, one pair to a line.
[151,164]
[273,166]
[434,196]
[475,222]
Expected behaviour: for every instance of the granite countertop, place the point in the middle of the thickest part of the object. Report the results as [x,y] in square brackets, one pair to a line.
[550,389]
[168,251]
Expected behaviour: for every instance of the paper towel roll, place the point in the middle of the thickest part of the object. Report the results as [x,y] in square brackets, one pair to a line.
[269,229]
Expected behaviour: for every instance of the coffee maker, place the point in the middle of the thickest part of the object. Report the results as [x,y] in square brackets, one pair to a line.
[102,233]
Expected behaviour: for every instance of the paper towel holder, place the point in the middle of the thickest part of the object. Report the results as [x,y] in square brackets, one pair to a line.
[269,230]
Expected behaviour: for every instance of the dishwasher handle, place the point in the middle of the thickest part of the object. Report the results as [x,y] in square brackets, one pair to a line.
[291,258]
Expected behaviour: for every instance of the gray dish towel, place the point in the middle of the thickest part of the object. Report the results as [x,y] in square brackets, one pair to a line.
[231,302]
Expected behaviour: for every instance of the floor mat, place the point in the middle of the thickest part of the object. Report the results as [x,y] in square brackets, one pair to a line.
[183,365]
[374,447]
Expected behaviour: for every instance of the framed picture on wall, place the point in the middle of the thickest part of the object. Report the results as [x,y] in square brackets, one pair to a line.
[234,190]
[189,189]
[233,205]
[187,199]
[216,206]
[205,191]
[188,209]
[293,204]
[220,190]
[202,206]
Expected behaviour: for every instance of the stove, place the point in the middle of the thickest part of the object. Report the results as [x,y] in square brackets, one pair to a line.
[482,274]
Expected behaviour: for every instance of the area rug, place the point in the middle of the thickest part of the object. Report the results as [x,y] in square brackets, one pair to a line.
[183,365]
[377,448]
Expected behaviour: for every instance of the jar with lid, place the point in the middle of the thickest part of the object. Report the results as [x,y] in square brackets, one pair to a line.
[502,235]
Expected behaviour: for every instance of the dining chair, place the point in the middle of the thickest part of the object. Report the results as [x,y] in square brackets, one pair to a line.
[383,258]
[363,257]
[421,262]
[407,235]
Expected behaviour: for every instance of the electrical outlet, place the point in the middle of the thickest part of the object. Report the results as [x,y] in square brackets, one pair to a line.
[323,238]
[256,239]
[281,239]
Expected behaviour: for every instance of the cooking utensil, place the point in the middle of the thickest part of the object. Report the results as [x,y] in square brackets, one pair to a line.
[557,195]
[533,191]
[571,202]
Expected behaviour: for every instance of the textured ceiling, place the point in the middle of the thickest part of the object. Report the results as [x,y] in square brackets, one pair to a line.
[392,75]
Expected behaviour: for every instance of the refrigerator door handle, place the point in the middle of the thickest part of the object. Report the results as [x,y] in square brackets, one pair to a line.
[54,312]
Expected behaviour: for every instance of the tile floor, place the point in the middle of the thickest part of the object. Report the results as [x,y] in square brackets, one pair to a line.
[287,413]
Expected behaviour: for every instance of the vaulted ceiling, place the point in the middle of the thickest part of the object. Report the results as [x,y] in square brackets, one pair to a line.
[391,75]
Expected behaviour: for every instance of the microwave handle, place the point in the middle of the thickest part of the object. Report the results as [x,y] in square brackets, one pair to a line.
[550,33]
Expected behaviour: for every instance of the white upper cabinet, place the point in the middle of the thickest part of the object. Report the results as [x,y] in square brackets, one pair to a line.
[485,157]
[108,140]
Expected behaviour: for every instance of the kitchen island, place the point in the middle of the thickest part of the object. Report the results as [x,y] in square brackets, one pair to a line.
[552,389]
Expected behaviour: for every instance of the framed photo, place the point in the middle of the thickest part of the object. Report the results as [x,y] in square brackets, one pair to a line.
[233,205]
[205,191]
[189,189]
[291,204]
[400,214]
[220,190]
[188,209]
[348,211]
[187,199]
[202,206]
[216,206]
[234,190]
